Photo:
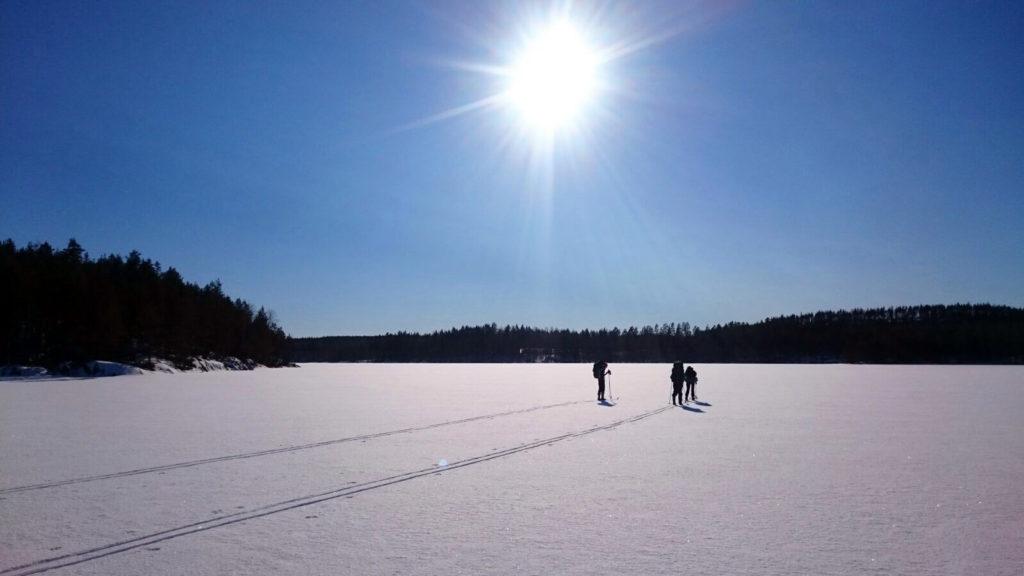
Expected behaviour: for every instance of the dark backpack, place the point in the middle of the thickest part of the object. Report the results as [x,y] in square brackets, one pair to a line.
[678,373]
[599,369]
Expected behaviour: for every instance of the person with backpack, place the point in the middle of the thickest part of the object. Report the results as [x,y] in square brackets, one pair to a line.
[678,377]
[600,370]
[690,377]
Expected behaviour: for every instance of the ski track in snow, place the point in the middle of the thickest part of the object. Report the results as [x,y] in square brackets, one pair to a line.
[71,559]
[191,463]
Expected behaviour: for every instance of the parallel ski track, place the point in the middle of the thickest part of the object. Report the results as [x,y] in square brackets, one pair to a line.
[213,460]
[73,558]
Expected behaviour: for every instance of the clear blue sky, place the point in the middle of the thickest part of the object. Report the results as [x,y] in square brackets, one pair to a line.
[762,159]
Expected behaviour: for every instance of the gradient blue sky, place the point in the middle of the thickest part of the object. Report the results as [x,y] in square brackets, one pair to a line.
[762,159]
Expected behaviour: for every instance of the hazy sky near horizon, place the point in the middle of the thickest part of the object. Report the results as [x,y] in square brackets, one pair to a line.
[744,159]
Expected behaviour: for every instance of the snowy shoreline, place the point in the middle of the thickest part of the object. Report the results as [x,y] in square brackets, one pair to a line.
[105,368]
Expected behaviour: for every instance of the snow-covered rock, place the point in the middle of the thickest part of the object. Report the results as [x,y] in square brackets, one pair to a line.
[164,366]
[227,363]
[154,364]
[207,365]
[232,363]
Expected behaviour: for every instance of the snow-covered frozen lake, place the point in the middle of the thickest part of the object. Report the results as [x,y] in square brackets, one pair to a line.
[333,469]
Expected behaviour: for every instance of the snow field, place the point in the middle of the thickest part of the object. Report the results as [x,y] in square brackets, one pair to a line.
[791,469]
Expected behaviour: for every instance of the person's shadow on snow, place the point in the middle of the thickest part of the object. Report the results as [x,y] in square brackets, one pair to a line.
[691,409]
[701,403]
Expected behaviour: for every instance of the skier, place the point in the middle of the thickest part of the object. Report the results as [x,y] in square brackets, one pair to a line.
[600,369]
[690,378]
[678,377]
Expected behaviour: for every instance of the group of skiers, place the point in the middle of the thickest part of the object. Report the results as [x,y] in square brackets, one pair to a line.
[681,376]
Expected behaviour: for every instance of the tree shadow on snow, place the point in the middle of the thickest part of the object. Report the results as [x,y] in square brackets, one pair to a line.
[691,409]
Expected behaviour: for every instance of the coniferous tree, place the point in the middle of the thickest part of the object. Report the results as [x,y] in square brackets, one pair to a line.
[61,306]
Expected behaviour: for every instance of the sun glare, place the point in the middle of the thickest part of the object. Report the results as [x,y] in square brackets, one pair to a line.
[554,79]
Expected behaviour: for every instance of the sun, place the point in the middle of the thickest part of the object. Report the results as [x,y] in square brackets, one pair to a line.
[554,85]
[554,78]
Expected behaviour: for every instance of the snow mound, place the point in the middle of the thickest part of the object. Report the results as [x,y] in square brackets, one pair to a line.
[90,369]
[100,368]
[23,372]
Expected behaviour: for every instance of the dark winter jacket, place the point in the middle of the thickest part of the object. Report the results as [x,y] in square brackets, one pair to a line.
[691,375]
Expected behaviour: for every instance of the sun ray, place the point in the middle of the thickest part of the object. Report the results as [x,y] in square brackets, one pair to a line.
[489,101]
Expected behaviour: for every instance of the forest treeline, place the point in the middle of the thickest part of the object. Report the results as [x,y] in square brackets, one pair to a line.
[59,306]
[954,334]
